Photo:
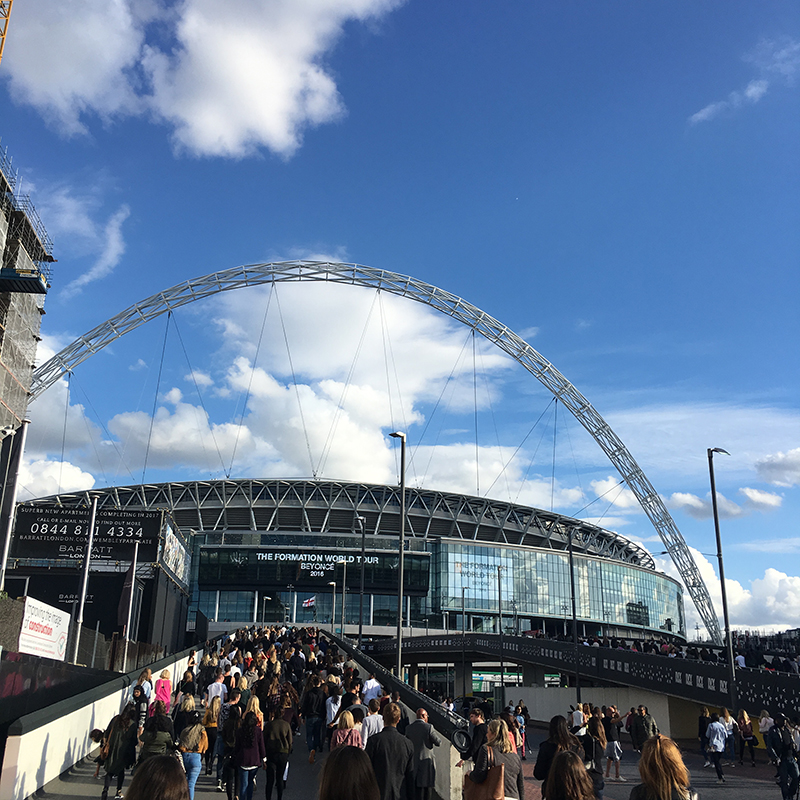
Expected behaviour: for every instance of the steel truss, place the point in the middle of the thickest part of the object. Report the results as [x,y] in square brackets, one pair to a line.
[248,504]
[449,304]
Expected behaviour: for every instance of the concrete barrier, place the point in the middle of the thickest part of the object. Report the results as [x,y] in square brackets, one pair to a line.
[46,743]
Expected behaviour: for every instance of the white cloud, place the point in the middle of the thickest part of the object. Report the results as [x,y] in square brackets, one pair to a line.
[528,333]
[140,364]
[113,249]
[781,469]
[612,492]
[701,508]
[42,477]
[771,602]
[228,83]
[75,218]
[202,379]
[774,59]
[787,546]
[760,499]
[68,59]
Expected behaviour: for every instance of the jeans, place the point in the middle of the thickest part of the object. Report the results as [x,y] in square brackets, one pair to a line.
[219,749]
[193,762]
[730,745]
[246,783]
[107,784]
[314,733]
[789,777]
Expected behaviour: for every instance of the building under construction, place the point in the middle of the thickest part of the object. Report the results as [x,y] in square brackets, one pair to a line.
[26,254]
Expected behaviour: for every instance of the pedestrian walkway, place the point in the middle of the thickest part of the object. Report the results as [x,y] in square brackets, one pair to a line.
[741,783]
[79,783]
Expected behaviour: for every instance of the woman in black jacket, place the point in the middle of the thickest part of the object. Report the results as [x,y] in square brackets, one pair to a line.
[496,751]
[595,741]
[559,739]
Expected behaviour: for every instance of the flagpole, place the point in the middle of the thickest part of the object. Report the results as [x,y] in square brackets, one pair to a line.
[130,605]
[87,558]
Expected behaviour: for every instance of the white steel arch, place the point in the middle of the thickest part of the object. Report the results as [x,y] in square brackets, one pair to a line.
[451,305]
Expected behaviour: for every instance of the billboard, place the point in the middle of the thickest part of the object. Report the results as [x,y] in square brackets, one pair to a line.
[44,631]
[174,556]
[49,531]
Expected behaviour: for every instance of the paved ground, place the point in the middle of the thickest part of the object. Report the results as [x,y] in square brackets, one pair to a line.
[745,783]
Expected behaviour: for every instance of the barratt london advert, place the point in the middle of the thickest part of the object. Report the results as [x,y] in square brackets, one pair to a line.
[44,630]
[44,531]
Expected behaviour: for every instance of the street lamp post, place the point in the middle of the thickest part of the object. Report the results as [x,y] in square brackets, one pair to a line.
[463,643]
[574,618]
[344,590]
[361,524]
[516,617]
[728,637]
[333,606]
[264,599]
[500,629]
[402,437]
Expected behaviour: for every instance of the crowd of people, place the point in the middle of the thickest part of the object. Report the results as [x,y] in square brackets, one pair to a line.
[238,713]
[720,732]
[750,656]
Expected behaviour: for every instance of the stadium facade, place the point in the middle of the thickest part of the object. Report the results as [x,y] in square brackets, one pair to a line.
[251,550]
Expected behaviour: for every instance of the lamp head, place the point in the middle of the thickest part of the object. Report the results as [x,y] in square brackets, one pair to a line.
[398,435]
[718,450]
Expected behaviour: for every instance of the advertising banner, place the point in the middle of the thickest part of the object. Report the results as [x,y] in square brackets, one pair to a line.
[44,630]
[175,556]
[45,531]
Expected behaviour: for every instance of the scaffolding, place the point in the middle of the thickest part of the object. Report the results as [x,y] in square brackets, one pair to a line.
[5,13]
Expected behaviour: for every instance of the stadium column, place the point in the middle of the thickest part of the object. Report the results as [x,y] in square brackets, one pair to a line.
[413,676]
[532,675]
[464,677]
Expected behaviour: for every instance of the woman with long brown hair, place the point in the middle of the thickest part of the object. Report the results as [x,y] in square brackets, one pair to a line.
[664,775]
[595,743]
[568,778]
[559,739]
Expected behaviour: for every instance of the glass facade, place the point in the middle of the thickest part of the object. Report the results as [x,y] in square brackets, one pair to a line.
[536,584]
[252,581]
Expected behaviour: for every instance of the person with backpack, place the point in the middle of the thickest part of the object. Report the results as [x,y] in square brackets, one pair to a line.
[781,743]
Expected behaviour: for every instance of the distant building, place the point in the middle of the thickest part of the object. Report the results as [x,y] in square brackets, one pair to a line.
[26,252]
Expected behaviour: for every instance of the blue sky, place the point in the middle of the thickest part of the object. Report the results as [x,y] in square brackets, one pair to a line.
[617,182]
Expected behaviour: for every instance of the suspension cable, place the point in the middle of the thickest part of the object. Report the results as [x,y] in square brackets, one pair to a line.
[249,386]
[448,384]
[104,429]
[155,398]
[63,434]
[601,496]
[553,474]
[536,451]
[475,406]
[388,345]
[202,402]
[294,382]
[518,448]
[338,413]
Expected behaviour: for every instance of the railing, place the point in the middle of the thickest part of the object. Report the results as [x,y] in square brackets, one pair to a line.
[43,744]
[698,681]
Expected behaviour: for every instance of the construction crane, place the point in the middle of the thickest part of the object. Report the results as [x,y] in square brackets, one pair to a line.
[5,13]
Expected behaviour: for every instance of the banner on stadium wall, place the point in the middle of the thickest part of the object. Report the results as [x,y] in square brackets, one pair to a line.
[174,555]
[49,531]
[44,631]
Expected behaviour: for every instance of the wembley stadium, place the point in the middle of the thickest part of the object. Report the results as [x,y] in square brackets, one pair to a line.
[242,551]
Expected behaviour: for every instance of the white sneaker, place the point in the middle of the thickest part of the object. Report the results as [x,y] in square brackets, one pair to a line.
[707,764]
[622,780]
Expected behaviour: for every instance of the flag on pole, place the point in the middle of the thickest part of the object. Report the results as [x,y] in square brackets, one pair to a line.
[312,601]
